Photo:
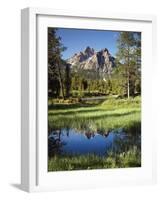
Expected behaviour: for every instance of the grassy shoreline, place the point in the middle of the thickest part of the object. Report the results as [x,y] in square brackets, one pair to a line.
[111,114]
[131,158]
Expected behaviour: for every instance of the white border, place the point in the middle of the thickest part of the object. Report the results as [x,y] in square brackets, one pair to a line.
[34,176]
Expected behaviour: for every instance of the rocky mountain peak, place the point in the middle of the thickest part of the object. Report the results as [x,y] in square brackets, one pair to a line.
[89,59]
[89,51]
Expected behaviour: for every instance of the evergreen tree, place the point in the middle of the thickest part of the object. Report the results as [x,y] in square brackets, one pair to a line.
[68,80]
[55,63]
[128,47]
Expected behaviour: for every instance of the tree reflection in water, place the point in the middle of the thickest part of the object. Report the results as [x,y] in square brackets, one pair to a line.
[55,143]
[66,141]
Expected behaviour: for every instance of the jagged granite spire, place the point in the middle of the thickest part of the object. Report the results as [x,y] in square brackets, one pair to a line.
[94,60]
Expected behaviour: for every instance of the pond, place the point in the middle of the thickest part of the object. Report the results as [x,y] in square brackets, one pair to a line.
[73,142]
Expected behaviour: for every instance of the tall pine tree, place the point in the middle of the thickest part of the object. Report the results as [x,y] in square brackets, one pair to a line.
[55,63]
[128,48]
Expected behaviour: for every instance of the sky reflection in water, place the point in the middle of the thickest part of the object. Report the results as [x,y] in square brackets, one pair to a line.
[72,142]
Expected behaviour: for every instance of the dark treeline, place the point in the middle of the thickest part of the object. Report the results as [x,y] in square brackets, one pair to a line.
[125,79]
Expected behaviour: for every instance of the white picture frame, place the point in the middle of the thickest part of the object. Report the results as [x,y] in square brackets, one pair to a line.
[34,176]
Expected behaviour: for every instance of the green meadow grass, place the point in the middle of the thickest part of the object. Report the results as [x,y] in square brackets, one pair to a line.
[110,114]
[131,158]
[95,116]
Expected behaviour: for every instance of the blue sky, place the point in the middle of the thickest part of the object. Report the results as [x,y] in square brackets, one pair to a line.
[77,40]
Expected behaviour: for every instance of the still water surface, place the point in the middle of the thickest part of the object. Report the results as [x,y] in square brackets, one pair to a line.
[74,142]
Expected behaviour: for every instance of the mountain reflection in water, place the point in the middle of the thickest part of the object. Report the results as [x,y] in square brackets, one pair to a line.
[73,142]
